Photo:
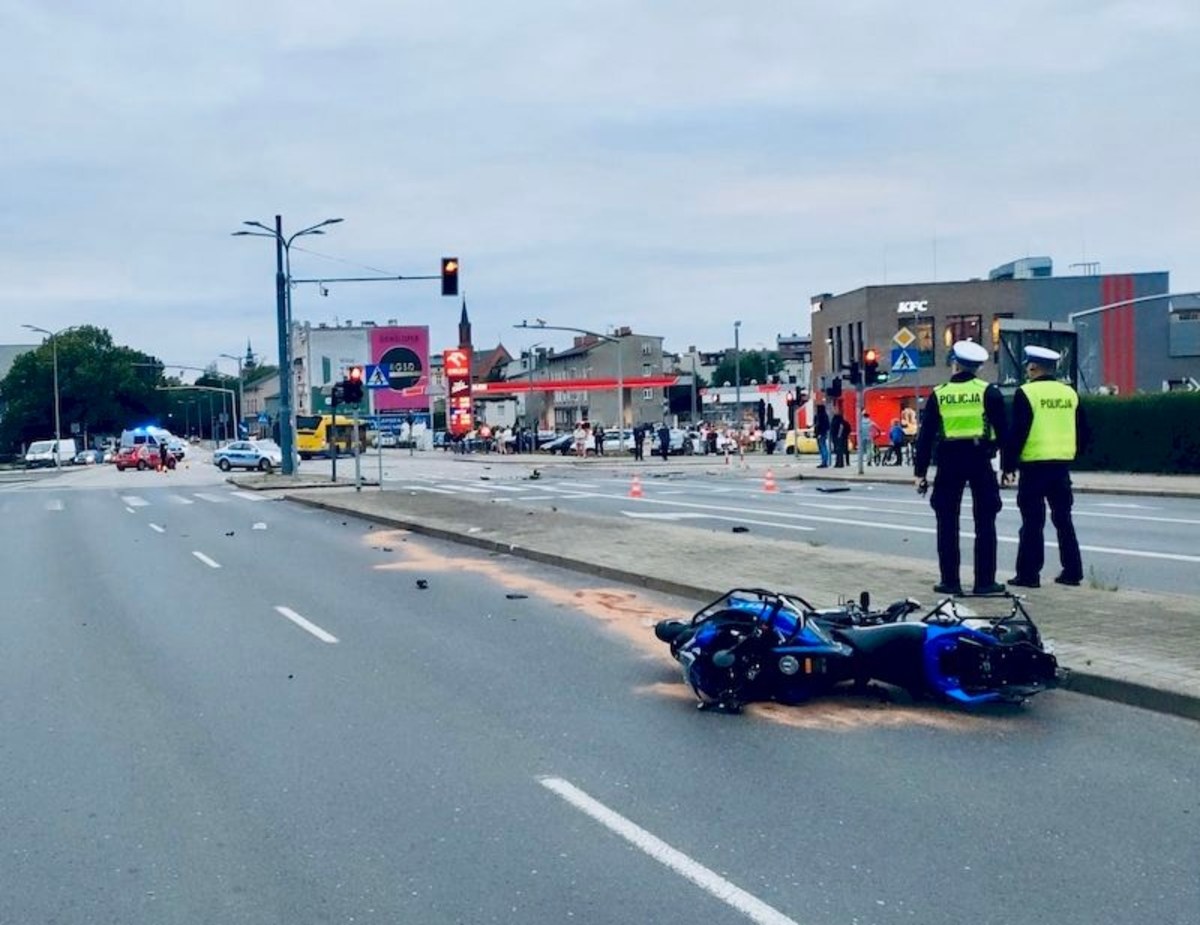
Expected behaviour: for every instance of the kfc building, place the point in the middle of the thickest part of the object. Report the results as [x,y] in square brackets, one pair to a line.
[1128,348]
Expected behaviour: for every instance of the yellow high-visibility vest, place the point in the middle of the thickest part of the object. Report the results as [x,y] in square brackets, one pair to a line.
[961,408]
[1052,434]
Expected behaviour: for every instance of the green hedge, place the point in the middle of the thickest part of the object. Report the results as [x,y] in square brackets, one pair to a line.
[1143,433]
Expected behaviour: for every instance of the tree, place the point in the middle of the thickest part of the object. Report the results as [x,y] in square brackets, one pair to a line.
[754,366]
[101,387]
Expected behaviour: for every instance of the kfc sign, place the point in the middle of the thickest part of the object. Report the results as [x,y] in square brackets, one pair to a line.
[912,308]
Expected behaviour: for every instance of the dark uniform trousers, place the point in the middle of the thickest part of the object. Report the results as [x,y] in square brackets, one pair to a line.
[1045,484]
[963,463]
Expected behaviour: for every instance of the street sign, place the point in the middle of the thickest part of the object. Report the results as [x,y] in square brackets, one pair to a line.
[903,338]
[375,377]
[903,361]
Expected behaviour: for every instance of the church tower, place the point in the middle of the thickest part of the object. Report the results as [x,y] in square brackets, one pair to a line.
[464,326]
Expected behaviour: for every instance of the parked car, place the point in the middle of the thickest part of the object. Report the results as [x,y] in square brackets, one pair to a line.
[88,458]
[562,445]
[800,441]
[140,457]
[263,455]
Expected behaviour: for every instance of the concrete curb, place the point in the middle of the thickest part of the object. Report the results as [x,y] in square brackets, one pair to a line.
[1090,684]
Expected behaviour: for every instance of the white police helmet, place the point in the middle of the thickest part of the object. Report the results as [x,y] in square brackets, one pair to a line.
[969,354]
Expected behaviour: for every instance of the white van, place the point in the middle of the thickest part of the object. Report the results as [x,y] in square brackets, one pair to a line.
[47,452]
[152,437]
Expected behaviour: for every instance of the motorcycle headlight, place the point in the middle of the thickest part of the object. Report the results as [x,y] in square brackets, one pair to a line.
[789,665]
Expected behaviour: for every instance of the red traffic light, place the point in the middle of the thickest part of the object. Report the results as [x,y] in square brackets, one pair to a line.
[871,355]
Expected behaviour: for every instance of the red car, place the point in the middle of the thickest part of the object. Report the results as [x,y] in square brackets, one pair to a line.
[140,457]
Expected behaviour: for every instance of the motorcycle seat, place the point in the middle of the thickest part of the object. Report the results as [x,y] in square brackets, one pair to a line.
[891,640]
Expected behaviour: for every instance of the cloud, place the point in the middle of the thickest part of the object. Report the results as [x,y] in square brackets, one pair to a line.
[665,165]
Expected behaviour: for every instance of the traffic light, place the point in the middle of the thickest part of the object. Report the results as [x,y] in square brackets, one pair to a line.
[336,395]
[853,373]
[835,388]
[352,388]
[870,366]
[449,276]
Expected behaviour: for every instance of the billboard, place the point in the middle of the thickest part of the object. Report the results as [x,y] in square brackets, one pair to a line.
[402,354]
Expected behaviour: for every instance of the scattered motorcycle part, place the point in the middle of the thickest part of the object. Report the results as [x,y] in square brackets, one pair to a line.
[740,530]
[789,665]
[422,584]
[516,597]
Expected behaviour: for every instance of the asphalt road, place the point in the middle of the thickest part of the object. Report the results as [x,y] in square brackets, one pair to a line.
[209,720]
[1131,542]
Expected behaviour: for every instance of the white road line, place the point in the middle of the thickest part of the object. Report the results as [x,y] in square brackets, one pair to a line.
[55,504]
[130,510]
[538,498]
[305,624]
[467,488]
[509,488]
[436,491]
[250,495]
[901,528]
[708,880]
[179,499]
[215,499]
[205,559]
[157,529]
[134,501]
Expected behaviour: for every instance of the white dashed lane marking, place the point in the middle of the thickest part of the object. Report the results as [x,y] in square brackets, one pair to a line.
[708,880]
[205,559]
[306,625]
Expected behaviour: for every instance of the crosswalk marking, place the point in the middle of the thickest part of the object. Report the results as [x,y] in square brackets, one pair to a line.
[250,496]
[436,491]
[469,489]
[134,501]
[215,499]
[54,504]
[180,499]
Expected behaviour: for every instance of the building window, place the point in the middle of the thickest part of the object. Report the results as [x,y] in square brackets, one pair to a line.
[647,348]
[921,348]
[645,369]
[647,394]
[963,327]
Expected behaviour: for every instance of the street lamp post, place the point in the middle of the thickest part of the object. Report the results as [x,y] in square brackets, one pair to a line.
[283,320]
[53,335]
[620,371]
[737,375]
[241,408]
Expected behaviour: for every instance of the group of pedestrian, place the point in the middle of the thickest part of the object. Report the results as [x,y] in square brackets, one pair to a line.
[964,424]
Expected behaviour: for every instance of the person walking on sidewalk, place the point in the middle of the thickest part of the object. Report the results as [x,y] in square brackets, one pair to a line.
[821,432]
[964,420]
[1048,431]
[839,435]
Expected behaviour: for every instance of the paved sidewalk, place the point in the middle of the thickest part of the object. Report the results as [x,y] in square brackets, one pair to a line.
[1129,646]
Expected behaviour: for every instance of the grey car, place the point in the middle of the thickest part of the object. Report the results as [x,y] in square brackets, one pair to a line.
[263,455]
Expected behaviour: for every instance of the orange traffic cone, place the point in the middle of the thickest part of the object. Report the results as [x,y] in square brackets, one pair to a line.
[635,489]
[769,482]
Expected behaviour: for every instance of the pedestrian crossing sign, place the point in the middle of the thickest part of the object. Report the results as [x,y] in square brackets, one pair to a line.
[376,377]
[903,361]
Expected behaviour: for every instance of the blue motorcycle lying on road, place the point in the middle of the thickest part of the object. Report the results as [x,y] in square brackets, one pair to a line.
[753,644]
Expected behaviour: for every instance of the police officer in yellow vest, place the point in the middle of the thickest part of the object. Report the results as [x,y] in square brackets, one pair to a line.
[1048,430]
[964,419]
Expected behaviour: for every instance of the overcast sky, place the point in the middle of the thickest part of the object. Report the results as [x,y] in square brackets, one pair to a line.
[672,165]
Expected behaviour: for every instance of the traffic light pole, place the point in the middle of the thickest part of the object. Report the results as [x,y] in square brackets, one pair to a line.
[860,393]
